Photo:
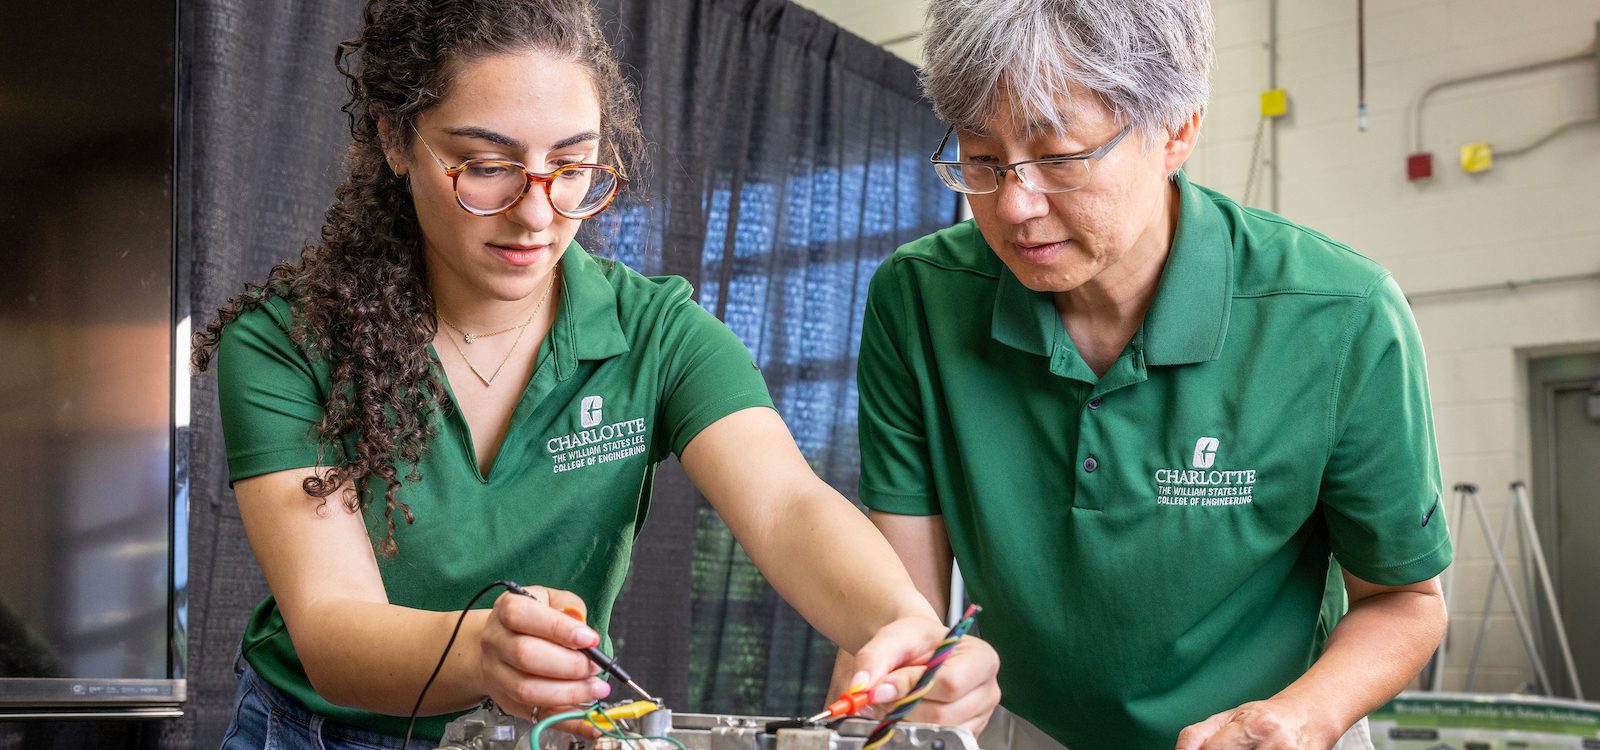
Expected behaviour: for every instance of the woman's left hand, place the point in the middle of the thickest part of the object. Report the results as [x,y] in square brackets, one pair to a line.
[964,691]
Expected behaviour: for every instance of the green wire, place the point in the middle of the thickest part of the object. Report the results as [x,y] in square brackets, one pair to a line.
[547,722]
[588,715]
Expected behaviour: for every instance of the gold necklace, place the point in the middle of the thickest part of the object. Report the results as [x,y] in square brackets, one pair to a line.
[521,329]
[471,337]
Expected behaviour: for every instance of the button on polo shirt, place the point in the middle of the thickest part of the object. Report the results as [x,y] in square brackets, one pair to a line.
[631,370]
[1271,408]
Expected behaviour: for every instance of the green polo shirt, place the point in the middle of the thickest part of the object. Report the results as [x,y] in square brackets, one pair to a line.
[1151,546]
[632,369]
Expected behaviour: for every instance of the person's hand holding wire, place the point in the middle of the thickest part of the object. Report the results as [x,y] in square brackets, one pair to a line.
[963,690]
[530,661]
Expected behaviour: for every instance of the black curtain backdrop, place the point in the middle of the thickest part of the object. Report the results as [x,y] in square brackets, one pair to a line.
[260,143]
[788,158]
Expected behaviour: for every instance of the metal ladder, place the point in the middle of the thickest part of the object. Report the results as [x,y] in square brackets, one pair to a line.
[1520,514]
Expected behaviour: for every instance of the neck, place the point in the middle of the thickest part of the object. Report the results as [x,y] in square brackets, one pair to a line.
[474,314]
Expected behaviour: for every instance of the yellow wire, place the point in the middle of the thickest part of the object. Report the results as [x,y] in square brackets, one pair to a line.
[916,696]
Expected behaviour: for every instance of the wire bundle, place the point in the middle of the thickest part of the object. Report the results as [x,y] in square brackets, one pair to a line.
[880,734]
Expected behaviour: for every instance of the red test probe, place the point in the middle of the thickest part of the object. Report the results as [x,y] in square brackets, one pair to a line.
[850,703]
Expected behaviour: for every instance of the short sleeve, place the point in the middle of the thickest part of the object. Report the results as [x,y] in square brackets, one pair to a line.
[707,374]
[895,465]
[270,396]
[1381,489]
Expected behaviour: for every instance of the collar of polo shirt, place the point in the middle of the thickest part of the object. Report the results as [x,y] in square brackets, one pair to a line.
[589,313]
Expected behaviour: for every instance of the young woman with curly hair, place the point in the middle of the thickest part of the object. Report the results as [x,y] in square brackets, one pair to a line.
[447,355]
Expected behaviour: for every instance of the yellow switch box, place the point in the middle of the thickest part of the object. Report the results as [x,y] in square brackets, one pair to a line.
[1476,157]
[1274,103]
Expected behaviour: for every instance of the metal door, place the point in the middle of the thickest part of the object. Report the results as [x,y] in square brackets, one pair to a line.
[1565,410]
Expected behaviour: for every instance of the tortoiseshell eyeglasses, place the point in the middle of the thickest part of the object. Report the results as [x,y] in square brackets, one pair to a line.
[490,187]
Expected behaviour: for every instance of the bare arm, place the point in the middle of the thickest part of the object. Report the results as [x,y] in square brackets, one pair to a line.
[324,575]
[829,561]
[921,545]
[1377,647]
[819,552]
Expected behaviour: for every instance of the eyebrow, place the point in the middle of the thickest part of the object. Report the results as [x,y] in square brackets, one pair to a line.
[485,134]
[573,140]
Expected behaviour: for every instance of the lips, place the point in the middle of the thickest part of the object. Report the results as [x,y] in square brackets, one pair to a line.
[518,255]
[1038,251]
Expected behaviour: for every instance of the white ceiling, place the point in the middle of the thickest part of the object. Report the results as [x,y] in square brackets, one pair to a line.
[892,24]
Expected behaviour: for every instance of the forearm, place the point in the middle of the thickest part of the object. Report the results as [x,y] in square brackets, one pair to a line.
[827,560]
[923,549]
[815,548]
[376,657]
[1374,651]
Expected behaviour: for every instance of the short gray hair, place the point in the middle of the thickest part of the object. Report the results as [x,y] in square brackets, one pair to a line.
[1150,60]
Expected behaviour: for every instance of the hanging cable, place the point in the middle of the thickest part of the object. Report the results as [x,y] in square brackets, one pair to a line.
[1272,83]
[1255,160]
[1361,65]
[411,721]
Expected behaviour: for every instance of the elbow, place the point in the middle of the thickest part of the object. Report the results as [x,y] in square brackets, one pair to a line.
[323,660]
[1434,610]
[1439,615]
[325,681]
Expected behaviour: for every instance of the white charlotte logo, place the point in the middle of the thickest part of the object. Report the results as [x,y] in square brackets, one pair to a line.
[589,412]
[596,441]
[1203,485]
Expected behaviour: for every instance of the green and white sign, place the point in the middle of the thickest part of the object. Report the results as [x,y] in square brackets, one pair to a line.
[1476,721]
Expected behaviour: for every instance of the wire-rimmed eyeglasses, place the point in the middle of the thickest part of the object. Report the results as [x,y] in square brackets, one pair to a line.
[490,187]
[1056,174]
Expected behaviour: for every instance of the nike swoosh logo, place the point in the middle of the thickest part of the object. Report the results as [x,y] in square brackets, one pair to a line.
[1429,515]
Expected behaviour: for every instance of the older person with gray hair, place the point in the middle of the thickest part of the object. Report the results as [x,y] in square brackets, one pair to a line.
[1166,437]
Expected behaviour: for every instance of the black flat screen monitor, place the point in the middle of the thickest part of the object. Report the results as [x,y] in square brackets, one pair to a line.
[91,559]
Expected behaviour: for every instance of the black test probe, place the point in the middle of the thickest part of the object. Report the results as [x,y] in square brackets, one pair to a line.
[606,663]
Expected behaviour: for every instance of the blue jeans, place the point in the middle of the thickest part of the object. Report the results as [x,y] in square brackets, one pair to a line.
[266,718]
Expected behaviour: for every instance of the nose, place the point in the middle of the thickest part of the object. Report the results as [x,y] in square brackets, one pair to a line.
[534,211]
[1015,203]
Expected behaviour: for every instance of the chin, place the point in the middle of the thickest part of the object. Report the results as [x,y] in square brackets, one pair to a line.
[1047,279]
[1053,285]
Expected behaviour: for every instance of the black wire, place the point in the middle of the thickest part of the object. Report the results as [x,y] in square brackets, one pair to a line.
[411,722]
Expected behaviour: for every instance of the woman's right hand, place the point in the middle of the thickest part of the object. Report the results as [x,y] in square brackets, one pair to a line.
[529,661]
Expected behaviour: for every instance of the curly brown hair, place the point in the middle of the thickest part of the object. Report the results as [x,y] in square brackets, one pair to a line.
[359,293]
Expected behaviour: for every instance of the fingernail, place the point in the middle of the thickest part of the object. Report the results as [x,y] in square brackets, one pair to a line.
[584,637]
[572,612]
[858,681]
[884,693]
[601,689]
